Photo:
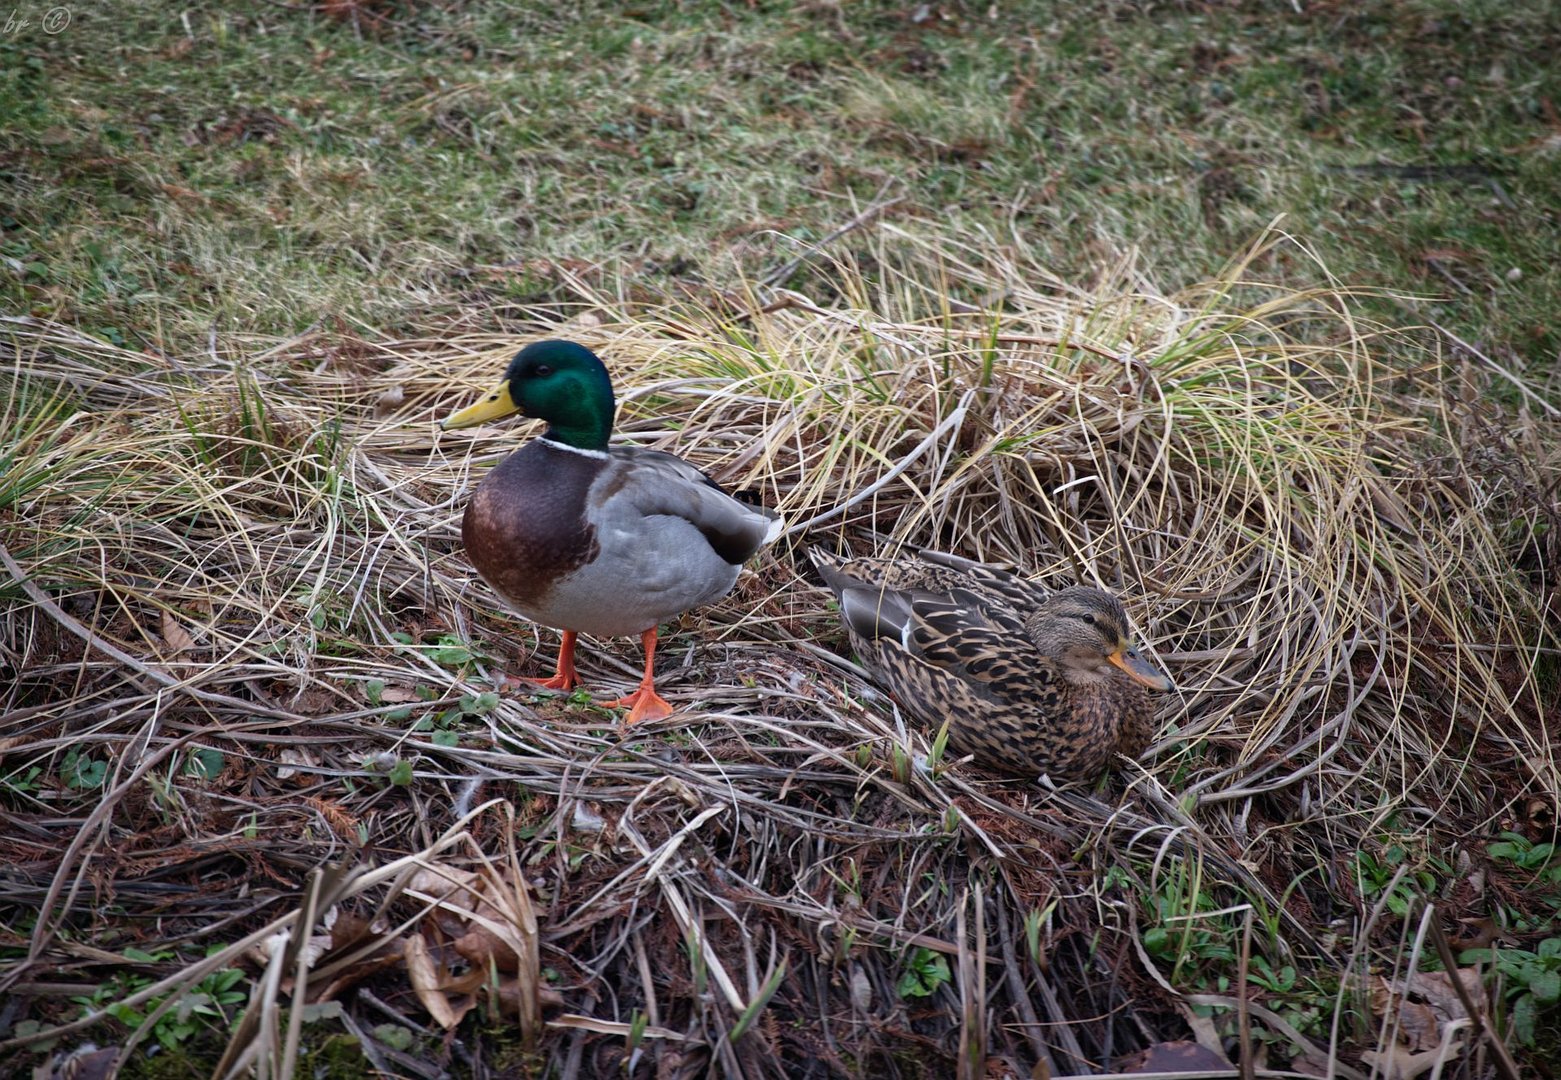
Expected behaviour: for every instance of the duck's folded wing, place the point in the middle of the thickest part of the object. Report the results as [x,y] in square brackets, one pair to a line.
[959,632]
[663,484]
[976,641]
[997,581]
[872,611]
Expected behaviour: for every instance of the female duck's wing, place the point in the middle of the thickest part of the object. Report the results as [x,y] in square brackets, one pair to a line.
[1017,592]
[875,600]
[961,633]
[966,635]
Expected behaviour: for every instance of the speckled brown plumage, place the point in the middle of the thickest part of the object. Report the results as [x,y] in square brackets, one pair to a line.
[1025,677]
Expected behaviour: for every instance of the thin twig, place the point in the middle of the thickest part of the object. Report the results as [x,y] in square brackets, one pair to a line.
[1522,387]
[874,209]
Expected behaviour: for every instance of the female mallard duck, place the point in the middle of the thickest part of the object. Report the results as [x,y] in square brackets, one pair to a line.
[593,539]
[1029,681]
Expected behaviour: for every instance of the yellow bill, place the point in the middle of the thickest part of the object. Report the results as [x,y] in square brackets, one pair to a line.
[495,405]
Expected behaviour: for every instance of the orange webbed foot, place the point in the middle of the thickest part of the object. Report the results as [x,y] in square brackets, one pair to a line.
[643,704]
[564,677]
[555,682]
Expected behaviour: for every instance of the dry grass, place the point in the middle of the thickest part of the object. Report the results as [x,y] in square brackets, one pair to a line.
[1342,565]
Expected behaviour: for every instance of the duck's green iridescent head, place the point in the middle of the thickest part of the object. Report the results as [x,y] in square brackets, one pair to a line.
[561,382]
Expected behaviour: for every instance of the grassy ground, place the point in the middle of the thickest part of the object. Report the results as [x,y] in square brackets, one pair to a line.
[250,257]
[181,170]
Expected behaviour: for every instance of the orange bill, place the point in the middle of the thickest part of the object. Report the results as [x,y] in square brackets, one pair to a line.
[1139,669]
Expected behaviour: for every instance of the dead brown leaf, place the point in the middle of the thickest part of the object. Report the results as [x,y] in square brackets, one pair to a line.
[1540,815]
[483,916]
[1416,1022]
[429,983]
[1181,1056]
[388,402]
[349,932]
[313,952]
[292,758]
[1401,1063]
[1478,934]
[1419,1025]
[175,636]
[1438,989]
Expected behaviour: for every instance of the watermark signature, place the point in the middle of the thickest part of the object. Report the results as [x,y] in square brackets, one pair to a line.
[54,21]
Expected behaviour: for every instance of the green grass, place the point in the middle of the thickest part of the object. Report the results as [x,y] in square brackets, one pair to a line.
[178,170]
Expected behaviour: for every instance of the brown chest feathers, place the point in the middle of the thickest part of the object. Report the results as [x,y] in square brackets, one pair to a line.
[522,543]
[1089,729]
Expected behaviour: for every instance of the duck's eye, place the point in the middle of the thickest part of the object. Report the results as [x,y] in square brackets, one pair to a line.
[542,369]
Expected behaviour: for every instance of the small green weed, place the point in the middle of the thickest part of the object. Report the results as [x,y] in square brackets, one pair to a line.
[1537,859]
[446,650]
[925,971]
[204,763]
[446,727]
[23,781]
[449,650]
[1542,891]
[82,772]
[394,1036]
[1199,937]
[1532,978]
[210,1004]
[1533,984]
[1191,928]
[1377,875]
[638,1021]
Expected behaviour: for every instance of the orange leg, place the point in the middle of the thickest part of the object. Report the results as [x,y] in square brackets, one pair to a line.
[565,677]
[644,703]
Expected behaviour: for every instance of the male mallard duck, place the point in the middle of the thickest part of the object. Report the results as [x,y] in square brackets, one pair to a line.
[593,539]
[1029,681]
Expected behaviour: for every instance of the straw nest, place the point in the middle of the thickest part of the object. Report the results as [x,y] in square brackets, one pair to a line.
[249,719]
